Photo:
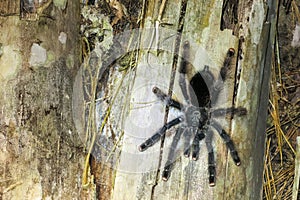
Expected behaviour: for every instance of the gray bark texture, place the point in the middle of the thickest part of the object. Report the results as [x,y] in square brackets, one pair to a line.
[211,27]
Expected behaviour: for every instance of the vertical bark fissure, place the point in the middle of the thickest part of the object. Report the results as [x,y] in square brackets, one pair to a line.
[229,19]
[171,84]
[238,69]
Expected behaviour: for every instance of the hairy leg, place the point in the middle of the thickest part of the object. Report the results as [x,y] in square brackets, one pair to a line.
[196,143]
[239,111]
[211,158]
[170,161]
[166,99]
[228,141]
[183,70]
[218,84]
[187,142]
[226,64]
[161,132]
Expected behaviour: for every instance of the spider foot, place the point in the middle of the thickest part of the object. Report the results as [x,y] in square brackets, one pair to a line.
[161,132]
[196,144]
[156,90]
[187,152]
[230,52]
[150,142]
[212,176]
[142,147]
[166,173]
[235,158]
[195,154]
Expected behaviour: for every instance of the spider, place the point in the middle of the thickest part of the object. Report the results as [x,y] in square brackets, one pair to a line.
[198,116]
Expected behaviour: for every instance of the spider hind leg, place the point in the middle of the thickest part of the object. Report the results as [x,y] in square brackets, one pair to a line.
[211,159]
[170,161]
[196,144]
[187,145]
[228,141]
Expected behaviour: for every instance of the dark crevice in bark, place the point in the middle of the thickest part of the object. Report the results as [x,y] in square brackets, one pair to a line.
[229,17]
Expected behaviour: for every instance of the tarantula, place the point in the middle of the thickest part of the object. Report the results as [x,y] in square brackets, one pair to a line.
[197,117]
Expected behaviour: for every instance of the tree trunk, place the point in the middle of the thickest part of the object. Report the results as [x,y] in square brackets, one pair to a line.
[40,149]
[41,154]
[135,114]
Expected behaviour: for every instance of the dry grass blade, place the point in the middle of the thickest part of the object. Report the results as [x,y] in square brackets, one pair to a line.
[279,169]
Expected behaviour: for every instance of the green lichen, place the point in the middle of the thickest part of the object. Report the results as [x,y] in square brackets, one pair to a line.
[70,62]
[50,57]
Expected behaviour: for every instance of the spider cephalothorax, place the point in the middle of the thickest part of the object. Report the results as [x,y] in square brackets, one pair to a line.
[198,116]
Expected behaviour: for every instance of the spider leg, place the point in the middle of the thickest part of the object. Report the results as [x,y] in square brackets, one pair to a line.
[183,70]
[239,111]
[196,143]
[228,141]
[169,164]
[187,139]
[226,64]
[165,98]
[211,158]
[161,132]
[218,84]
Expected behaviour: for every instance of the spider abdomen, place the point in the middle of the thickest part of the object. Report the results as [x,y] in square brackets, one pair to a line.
[199,90]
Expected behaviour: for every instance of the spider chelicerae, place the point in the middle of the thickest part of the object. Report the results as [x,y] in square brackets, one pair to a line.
[198,116]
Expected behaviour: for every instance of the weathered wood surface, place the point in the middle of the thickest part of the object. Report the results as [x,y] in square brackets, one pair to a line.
[297,171]
[136,173]
[36,114]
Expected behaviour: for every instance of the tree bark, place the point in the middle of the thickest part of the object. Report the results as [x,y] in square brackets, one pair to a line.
[40,152]
[40,148]
[212,27]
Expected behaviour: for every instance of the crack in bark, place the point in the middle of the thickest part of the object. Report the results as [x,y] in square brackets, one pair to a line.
[171,84]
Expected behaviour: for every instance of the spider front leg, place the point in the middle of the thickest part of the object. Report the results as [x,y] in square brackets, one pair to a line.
[218,84]
[183,70]
[170,161]
[161,132]
[166,99]
[226,64]
[228,141]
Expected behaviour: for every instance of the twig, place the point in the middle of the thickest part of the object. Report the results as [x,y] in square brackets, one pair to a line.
[11,187]
[155,32]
